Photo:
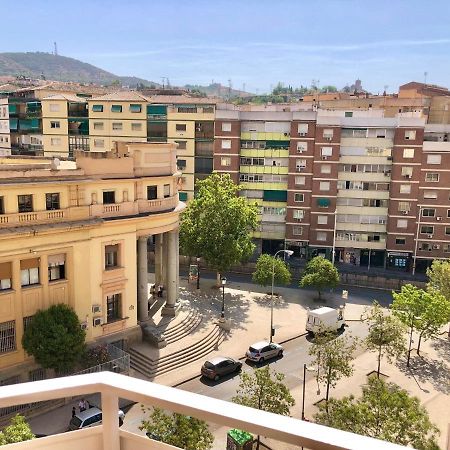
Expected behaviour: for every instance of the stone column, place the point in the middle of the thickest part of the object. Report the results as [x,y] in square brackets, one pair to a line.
[171,281]
[142,276]
[158,259]
[164,259]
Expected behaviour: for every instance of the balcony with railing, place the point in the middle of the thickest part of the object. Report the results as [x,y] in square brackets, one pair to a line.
[109,436]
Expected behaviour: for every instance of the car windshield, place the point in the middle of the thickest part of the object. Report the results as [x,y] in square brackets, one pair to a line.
[253,350]
[75,422]
[209,365]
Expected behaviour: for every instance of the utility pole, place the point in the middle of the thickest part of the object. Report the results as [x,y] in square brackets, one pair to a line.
[229,89]
[55,49]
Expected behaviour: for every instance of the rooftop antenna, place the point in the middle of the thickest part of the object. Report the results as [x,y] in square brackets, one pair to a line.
[229,89]
[163,80]
[385,89]
[55,52]
[425,74]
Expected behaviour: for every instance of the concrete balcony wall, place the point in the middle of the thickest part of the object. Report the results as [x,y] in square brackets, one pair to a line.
[365,176]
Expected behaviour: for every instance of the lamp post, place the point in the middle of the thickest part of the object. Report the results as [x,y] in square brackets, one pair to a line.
[198,273]
[289,253]
[222,314]
[305,369]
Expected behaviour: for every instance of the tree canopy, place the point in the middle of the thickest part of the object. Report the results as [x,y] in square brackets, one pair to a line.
[178,430]
[55,338]
[386,334]
[217,223]
[439,277]
[17,431]
[263,271]
[320,274]
[384,411]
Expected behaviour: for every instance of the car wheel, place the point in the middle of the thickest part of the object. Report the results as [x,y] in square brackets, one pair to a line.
[216,378]
[280,353]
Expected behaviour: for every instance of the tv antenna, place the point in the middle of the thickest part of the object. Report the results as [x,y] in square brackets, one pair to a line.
[55,49]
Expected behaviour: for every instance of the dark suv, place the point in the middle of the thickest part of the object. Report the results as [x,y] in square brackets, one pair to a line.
[220,366]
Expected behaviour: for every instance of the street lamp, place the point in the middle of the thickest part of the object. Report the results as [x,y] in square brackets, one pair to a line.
[198,273]
[309,369]
[222,315]
[289,253]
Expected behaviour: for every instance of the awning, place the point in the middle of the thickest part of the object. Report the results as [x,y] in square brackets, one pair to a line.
[13,124]
[56,260]
[323,202]
[157,109]
[275,196]
[5,271]
[29,263]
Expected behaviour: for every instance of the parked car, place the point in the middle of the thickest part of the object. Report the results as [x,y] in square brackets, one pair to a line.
[219,366]
[264,350]
[90,418]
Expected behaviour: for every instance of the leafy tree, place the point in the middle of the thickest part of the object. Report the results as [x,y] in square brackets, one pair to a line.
[384,411]
[265,391]
[17,431]
[333,358]
[423,311]
[320,274]
[439,277]
[178,430]
[263,273]
[329,88]
[55,338]
[386,334]
[217,224]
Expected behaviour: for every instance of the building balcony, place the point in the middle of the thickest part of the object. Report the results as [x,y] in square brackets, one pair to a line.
[157,205]
[276,170]
[28,218]
[264,136]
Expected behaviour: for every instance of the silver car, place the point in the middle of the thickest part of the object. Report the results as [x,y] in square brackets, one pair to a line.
[264,350]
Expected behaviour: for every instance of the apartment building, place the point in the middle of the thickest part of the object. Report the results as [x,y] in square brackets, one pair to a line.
[355,182]
[76,232]
[5,135]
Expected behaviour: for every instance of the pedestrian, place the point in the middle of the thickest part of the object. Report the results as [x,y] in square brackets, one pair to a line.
[82,405]
[160,290]
[73,411]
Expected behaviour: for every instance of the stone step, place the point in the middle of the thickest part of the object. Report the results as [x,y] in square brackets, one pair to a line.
[187,329]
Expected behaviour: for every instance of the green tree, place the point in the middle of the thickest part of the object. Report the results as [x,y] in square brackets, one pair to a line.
[264,390]
[320,274]
[178,430]
[384,411]
[386,334]
[55,338]
[439,277]
[333,358]
[423,311]
[263,271]
[217,224]
[17,431]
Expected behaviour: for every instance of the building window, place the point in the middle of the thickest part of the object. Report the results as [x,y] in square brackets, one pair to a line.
[321,236]
[180,127]
[434,159]
[410,135]
[152,192]
[405,189]
[322,220]
[113,307]
[328,133]
[402,223]
[327,151]
[29,272]
[426,229]
[111,256]
[226,144]
[325,168]
[2,205]
[225,161]
[433,177]
[300,164]
[408,153]
[136,126]
[428,212]
[298,214]
[447,230]
[407,171]
[324,186]
[7,336]
[429,194]
[109,197]
[404,206]
[300,180]
[348,113]
[302,129]
[97,108]
[182,145]
[54,107]
[181,164]
[446,248]
[55,141]
[117,126]
[302,147]
[25,203]
[166,190]
[52,201]
[226,126]
[99,143]
[400,241]
[135,108]
[297,231]
[448,213]
[98,125]
[5,276]
[55,124]
[116,108]
[299,197]
[56,267]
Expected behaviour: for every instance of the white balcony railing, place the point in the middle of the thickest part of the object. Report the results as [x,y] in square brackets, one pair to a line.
[109,436]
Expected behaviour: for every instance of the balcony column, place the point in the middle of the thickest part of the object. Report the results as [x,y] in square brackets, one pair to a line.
[171,281]
[110,422]
[158,259]
[142,275]
[164,259]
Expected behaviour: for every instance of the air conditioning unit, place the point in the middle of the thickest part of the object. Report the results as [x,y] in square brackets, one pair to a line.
[408,176]
[302,134]
[328,138]
[96,309]
[97,321]
[389,158]
[438,218]
[287,134]
[387,174]
[324,157]
[404,212]
[84,325]
[436,247]
[429,236]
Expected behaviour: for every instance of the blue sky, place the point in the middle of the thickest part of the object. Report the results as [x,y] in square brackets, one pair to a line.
[256,42]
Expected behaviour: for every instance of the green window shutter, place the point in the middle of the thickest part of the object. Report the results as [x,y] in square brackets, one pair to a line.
[25,124]
[157,110]
[182,196]
[275,196]
[97,108]
[323,202]
[116,108]
[277,144]
[12,108]
[348,114]
[13,123]
[135,108]
[35,125]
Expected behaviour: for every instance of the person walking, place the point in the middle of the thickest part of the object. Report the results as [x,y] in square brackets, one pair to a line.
[74,411]
[82,405]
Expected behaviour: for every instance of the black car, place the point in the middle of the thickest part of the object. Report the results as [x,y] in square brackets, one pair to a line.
[219,366]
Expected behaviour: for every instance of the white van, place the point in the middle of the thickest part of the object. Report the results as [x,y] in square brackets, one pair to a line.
[325,318]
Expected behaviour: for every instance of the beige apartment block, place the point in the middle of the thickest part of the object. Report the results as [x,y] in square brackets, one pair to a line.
[5,136]
[76,232]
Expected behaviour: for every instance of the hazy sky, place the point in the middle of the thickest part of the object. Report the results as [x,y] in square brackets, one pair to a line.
[256,42]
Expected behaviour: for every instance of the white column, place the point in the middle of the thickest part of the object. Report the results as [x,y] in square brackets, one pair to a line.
[110,421]
[142,274]
[164,259]
[158,259]
[171,281]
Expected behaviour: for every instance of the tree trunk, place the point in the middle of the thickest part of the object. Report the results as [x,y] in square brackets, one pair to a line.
[379,363]
[218,282]
[328,388]
[320,294]
[418,344]
[257,442]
